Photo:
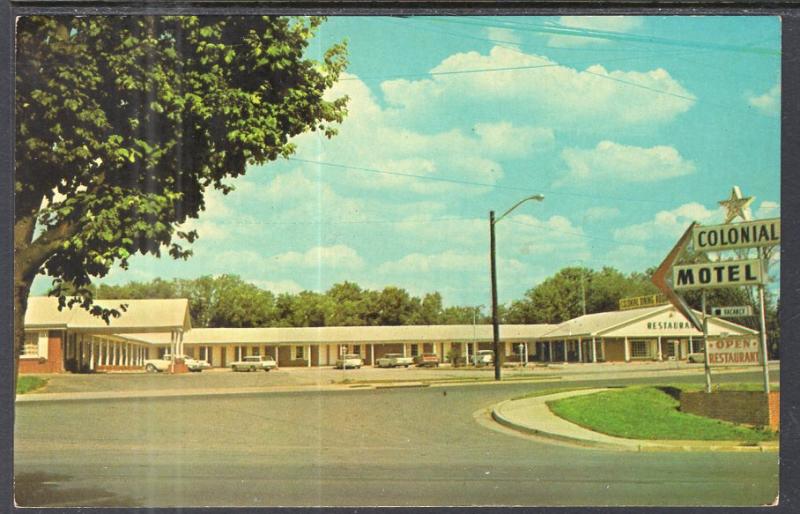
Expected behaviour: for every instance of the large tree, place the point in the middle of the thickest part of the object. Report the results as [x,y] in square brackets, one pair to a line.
[123,123]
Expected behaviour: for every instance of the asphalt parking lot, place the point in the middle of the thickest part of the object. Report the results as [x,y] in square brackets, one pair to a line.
[225,379]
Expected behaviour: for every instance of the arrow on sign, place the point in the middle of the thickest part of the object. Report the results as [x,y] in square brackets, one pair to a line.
[664,271]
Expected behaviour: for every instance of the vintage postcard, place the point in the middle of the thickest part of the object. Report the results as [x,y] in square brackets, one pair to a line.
[410,260]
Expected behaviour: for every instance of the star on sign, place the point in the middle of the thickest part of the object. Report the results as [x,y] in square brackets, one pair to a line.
[737,205]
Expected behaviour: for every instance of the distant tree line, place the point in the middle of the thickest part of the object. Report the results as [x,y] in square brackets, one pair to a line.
[229,301]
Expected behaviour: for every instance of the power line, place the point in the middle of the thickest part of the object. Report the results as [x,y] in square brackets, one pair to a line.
[557,29]
[470,183]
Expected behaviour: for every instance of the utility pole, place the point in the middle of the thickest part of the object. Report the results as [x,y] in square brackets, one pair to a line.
[495,320]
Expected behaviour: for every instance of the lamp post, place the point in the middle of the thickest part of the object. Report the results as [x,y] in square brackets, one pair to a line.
[495,321]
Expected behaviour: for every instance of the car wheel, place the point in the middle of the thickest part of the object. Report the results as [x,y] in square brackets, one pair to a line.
[150,368]
[406,366]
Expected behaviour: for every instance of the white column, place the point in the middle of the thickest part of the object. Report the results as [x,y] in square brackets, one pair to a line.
[550,350]
[691,345]
[466,351]
[627,350]
[660,353]
[580,350]
[308,358]
[277,353]
[404,349]
[526,353]
[372,354]
[594,349]
[100,352]
[205,354]
[91,353]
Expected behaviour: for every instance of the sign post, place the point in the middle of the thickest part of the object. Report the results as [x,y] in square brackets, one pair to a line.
[762,321]
[706,362]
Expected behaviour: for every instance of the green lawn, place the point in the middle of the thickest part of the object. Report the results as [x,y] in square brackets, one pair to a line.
[26,384]
[649,413]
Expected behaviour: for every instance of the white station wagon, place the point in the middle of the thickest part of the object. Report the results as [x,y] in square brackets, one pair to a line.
[254,363]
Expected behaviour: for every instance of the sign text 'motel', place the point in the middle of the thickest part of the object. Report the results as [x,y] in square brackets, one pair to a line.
[737,235]
[717,274]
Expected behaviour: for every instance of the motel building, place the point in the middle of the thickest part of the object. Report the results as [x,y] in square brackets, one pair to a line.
[72,340]
[651,333]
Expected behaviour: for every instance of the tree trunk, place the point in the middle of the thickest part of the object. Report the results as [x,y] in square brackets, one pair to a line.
[25,270]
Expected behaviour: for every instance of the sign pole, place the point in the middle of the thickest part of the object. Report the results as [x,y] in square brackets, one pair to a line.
[762,319]
[706,366]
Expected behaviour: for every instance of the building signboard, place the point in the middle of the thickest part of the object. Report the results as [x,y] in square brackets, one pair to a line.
[749,234]
[732,312]
[636,302]
[718,274]
[734,351]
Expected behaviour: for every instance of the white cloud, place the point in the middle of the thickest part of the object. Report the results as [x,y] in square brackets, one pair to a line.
[540,89]
[520,234]
[335,256]
[599,23]
[610,161]
[768,209]
[668,224]
[447,261]
[504,139]
[279,286]
[502,35]
[769,103]
[600,213]
[385,154]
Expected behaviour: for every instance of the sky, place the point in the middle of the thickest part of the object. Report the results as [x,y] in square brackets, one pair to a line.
[631,128]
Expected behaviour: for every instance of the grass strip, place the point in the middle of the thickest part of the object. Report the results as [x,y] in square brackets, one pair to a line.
[649,413]
[26,384]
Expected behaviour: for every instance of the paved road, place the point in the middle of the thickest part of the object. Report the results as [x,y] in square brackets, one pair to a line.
[376,447]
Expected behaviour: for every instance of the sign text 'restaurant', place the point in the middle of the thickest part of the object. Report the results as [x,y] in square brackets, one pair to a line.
[733,351]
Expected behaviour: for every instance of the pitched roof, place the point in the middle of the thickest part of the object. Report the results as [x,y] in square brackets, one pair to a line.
[161,315]
[601,323]
[380,334]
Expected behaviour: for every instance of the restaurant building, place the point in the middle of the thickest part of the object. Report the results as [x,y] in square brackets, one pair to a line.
[651,333]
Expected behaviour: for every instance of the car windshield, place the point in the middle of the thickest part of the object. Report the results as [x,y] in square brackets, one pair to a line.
[252,358]
[393,355]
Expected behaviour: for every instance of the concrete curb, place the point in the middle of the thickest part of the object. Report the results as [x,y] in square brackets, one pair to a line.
[498,417]
[628,444]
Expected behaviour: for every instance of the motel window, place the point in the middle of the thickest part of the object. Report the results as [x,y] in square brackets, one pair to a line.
[357,349]
[669,348]
[639,349]
[298,352]
[414,350]
[31,348]
[255,350]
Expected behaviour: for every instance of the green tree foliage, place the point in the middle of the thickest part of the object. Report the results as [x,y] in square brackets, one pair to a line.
[123,122]
[561,297]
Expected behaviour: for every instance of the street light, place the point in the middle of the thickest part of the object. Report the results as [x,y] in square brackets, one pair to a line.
[495,322]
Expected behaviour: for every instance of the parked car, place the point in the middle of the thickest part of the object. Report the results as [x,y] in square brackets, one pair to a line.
[163,363]
[254,363]
[393,360]
[427,359]
[483,358]
[350,360]
[697,357]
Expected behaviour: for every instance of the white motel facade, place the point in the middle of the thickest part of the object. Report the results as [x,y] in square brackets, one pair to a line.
[72,340]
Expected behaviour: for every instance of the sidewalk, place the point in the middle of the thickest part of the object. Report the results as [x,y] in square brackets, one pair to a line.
[533,416]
